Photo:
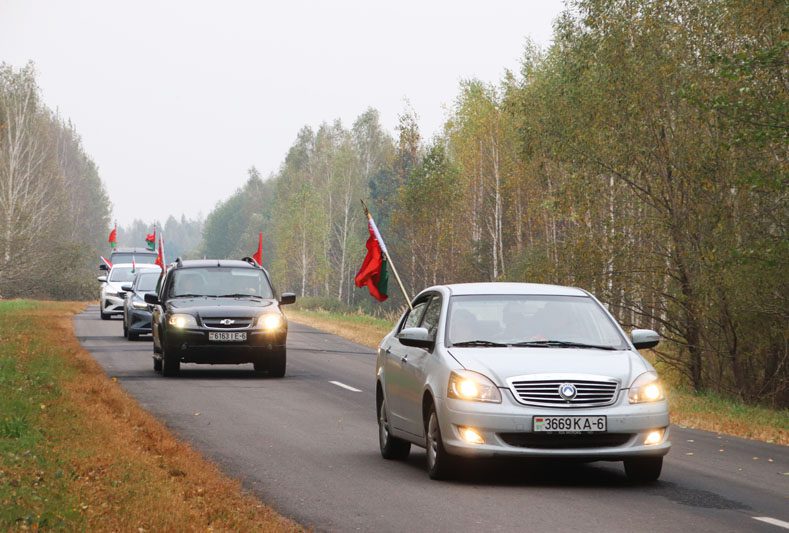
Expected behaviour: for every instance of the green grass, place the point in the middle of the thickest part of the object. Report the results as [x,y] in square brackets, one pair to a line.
[33,490]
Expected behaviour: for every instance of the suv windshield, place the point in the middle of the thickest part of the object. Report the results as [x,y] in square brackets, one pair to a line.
[531,320]
[220,281]
[128,257]
[147,282]
[122,274]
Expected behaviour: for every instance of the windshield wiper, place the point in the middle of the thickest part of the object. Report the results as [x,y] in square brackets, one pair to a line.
[490,344]
[190,296]
[239,295]
[562,344]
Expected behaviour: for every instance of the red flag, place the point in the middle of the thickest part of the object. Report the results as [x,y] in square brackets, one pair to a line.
[150,239]
[160,256]
[258,257]
[373,273]
[106,261]
[113,238]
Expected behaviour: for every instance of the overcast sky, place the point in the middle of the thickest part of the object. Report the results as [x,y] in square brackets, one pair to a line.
[174,100]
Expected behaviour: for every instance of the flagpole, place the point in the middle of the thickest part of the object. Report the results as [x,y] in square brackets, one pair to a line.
[386,253]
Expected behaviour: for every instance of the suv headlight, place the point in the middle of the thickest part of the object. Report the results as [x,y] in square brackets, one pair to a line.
[271,322]
[646,388]
[473,386]
[182,321]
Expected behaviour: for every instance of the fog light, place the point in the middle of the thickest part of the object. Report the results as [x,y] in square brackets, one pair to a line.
[470,435]
[654,437]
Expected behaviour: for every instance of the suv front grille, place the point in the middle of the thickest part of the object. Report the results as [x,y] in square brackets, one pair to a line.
[545,392]
[565,441]
[234,322]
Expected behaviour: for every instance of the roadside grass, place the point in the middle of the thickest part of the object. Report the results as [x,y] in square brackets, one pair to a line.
[709,412]
[78,453]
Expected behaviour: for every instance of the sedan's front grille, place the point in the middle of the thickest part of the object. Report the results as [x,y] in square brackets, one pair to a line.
[565,441]
[228,323]
[546,392]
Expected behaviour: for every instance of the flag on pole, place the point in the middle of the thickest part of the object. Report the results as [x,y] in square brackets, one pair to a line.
[258,257]
[134,265]
[373,273]
[150,240]
[113,238]
[160,259]
[106,261]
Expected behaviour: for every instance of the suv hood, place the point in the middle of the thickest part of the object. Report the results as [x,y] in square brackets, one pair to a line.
[499,364]
[220,307]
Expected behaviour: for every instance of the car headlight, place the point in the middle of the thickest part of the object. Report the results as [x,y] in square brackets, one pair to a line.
[271,322]
[139,304]
[467,385]
[182,321]
[646,388]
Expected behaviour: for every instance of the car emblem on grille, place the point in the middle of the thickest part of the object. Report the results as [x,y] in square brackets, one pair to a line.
[226,321]
[567,391]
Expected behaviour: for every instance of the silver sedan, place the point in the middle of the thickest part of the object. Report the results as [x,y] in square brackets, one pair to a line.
[521,370]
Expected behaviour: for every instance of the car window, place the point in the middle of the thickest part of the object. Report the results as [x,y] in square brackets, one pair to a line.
[147,282]
[431,316]
[415,315]
[122,274]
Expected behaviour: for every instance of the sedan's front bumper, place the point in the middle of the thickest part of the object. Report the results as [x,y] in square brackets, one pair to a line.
[111,305]
[507,430]
[139,321]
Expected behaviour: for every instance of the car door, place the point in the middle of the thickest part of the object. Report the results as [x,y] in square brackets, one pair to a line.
[157,315]
[414,370]
[396,355]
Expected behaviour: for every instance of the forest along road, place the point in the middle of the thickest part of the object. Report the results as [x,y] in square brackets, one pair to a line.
[307,444]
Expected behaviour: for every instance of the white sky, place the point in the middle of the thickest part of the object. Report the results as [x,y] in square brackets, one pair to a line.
[179,98]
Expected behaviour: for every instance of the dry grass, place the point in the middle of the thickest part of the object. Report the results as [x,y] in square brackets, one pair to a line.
[121,468]
[708,412]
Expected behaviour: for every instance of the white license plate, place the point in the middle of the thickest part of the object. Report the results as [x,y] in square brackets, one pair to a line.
[227,336]
[570,424]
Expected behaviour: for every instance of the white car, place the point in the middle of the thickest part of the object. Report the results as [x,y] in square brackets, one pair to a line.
[111,297]
[520,370]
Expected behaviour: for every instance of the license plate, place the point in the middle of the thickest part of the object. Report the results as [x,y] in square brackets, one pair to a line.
[570,424]
[227,336]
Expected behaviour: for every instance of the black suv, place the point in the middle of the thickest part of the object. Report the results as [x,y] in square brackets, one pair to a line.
[218,311]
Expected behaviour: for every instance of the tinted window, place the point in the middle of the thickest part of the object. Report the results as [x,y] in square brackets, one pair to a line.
[147,281]
[220,281]
[519,318]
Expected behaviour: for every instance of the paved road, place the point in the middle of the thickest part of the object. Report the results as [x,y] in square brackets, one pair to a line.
[309,447]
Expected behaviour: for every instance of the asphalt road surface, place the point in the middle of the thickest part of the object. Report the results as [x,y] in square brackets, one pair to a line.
[307,445]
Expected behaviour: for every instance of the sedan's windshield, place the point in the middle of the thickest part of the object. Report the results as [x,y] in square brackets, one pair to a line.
[127,257]
[147,282]
[530,320]
[220,281]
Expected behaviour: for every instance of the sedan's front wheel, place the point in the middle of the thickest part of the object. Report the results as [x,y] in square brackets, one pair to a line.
[643,469]
[391,446]
[440,465]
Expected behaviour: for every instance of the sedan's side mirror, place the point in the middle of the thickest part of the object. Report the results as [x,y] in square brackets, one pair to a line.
[644,338]
[126,287]
[416,337]
[102,279]
[151,298]
[103,267]
[287,298]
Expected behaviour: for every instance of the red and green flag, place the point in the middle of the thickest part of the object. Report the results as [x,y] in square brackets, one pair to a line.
[160,260]
[373,273]
[150,240]
[258,257]
[113,238]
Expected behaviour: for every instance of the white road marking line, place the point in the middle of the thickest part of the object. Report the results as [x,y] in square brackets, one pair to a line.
[773,521]
[344,386]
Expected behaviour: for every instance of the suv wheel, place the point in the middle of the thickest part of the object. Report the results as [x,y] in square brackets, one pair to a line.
[391,446]
[171,364]
[643,469]
[277,362]
[440,465]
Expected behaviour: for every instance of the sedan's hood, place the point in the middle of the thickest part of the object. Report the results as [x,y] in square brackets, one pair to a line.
[501,363]
[220,307]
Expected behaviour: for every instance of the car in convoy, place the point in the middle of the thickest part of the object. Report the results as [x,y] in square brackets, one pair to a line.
[137,313]
[130,255]
[519,370]
[219,311]
[111,296]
